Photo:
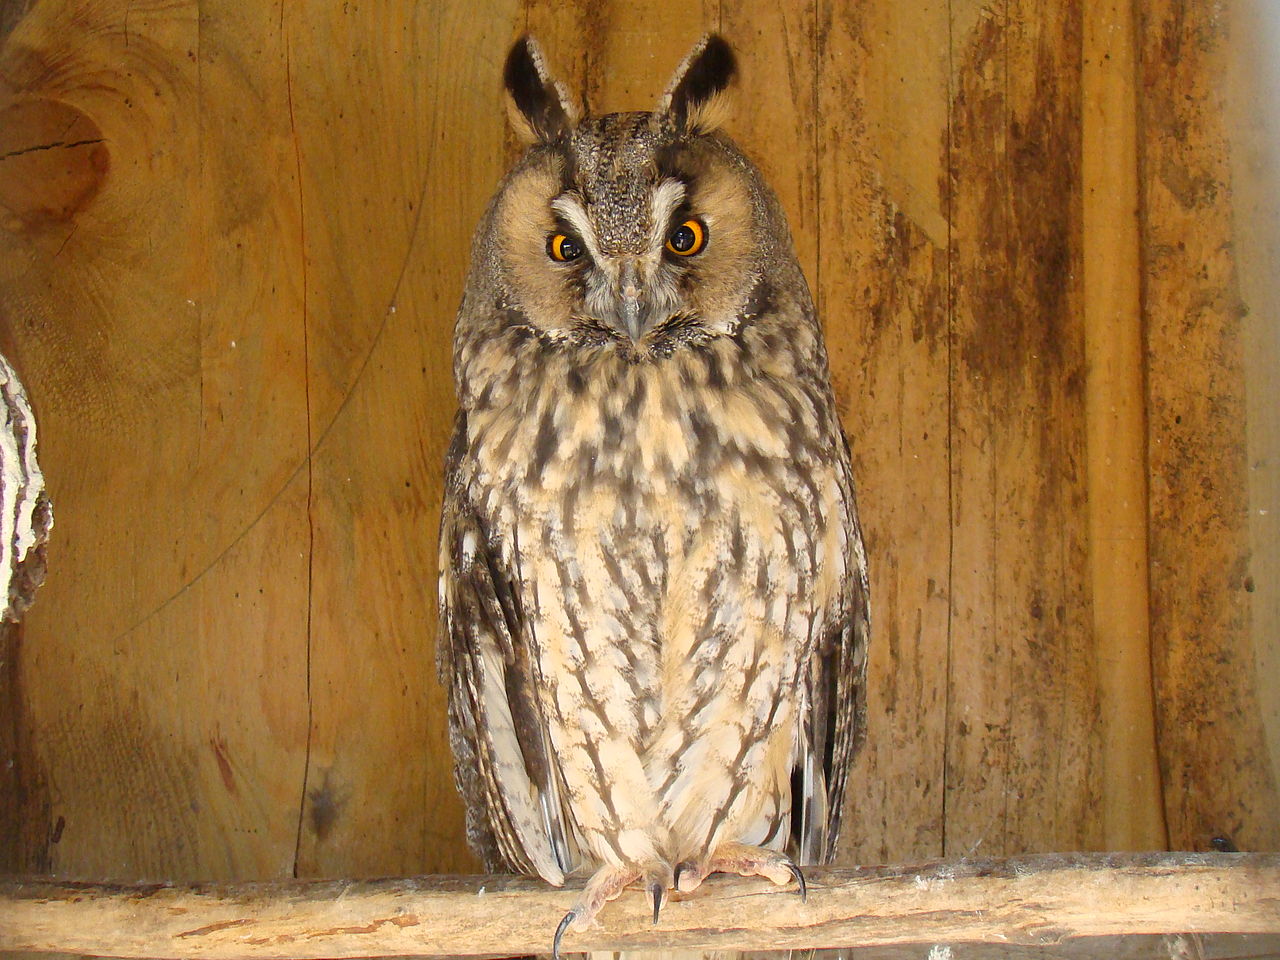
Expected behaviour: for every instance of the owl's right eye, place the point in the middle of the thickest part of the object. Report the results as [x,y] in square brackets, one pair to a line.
[562,248]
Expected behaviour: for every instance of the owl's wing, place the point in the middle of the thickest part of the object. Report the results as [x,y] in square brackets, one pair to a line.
[500,743]
[834,724]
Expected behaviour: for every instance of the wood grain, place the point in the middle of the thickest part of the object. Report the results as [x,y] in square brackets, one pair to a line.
[147,296]
[881,288]
[1220,778]
[1028,901]
[1115,411]
[24,796]
[385,269]
[1253,87]
[1022,739]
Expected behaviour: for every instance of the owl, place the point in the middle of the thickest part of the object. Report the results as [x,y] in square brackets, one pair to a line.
[653,586]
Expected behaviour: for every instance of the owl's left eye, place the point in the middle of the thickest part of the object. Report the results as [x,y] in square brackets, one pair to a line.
[688,238]
[563,248]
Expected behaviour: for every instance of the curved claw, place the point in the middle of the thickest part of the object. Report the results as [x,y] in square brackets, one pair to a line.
[694,876]
[564,925]
[799,875]
[656,891]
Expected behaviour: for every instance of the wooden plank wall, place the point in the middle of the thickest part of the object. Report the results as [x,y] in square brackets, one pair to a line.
[234,236]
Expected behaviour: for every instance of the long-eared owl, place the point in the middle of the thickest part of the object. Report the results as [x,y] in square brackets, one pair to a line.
[653,584]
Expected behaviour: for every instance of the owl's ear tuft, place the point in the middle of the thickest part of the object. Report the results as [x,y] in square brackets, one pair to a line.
[697,99]
[540,109]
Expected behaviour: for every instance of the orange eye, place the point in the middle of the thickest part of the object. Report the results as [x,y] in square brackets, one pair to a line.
[563,249]
[688,238]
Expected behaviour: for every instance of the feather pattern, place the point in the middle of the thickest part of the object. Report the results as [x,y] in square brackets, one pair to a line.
[653,584]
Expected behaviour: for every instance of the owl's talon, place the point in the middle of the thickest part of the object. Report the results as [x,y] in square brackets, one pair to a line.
[658,894]
[564,925]
[687,876]
[799,875]
[605,885]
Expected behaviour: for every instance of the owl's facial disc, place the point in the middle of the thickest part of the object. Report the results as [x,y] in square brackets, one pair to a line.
[628,288]
[624,223]
[632,294]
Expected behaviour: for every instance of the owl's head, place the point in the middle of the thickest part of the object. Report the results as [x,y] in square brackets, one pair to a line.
[627,226]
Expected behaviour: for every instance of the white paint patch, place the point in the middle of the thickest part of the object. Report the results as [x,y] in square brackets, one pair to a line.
[21,482]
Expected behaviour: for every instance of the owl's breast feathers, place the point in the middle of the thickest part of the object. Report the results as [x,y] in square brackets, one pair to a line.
[654,594]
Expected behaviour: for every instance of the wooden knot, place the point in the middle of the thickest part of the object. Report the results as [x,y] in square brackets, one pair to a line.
[53,160]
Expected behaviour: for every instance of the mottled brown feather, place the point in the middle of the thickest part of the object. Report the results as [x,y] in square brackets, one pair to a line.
[653,583]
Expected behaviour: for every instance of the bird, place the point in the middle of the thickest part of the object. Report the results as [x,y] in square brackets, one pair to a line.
[653,585]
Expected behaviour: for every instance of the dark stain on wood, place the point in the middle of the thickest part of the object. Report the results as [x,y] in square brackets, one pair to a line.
[1024,318]
[219,747]
[326,804]
[213,928]
[25,805]
[1018,439]
[373,926]
[924,305]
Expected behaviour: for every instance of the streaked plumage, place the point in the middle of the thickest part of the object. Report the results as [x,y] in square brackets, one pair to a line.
[652,578]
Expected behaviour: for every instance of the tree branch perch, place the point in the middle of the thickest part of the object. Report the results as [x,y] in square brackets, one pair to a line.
[1022,900]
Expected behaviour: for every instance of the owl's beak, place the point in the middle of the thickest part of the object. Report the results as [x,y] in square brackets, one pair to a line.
[631,299]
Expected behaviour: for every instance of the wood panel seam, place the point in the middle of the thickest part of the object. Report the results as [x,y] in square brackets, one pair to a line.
[310,457]
[1144,372]
[950,301]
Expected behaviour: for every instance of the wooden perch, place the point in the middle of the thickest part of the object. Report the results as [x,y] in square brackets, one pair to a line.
[1024,900]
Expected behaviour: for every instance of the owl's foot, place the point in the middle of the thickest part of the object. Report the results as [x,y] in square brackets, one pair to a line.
[605,884]
[745,861]
[608,882]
